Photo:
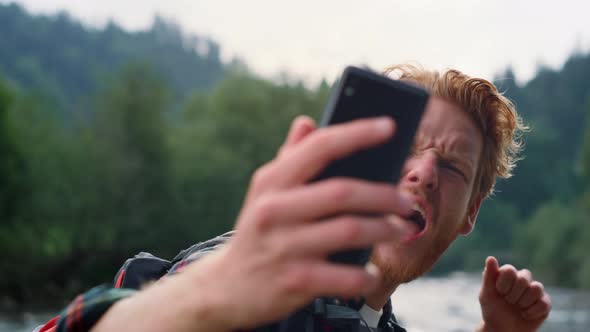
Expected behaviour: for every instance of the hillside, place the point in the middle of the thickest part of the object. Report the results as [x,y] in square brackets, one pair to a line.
[67,60]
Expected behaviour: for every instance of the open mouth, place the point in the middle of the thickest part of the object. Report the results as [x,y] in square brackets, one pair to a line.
[417,222]
[418,219]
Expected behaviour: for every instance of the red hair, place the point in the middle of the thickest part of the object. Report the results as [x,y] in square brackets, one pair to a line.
[494,114]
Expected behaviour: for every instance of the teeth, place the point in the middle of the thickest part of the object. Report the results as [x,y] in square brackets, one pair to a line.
[419,209]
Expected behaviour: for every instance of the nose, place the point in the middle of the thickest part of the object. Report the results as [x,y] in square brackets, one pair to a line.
[421,171]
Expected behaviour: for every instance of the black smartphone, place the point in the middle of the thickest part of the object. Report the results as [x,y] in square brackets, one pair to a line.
[360,94]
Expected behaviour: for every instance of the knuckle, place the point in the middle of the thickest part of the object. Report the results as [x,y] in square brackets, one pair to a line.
[526,273]
[322,137]
[262,175]
[259,174]
[508,271]
[294,280]
[537,287]
[548,306]
[282,150]
[351,229]
[536,294]
[508,268]
[544,307]
[340,190]
[356,282]
[282,248]
[264,210]
[522,280]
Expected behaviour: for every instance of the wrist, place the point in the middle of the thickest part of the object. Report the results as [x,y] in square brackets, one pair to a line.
[204,295]
[172,304]
[203,306]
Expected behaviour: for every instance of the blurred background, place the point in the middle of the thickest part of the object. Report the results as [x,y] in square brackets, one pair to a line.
[128,126]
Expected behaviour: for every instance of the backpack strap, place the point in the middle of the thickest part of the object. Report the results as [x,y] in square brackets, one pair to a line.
[145,267]
[322,316]
[197,251]
[141,269]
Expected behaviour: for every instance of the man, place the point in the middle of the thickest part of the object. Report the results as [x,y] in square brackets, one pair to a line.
[275,263]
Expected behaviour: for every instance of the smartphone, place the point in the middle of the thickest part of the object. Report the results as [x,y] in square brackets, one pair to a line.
[361,93]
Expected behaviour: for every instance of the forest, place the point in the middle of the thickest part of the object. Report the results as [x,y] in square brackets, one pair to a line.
[114,142]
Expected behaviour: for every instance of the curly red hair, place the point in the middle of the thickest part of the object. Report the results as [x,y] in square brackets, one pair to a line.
[494,114]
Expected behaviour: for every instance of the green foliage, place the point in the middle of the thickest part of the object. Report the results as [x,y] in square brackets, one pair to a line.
[552,242]
[492,235]
[584,158]
[553,104]
[135,176]
[12,187]
[64,59]
[225,135]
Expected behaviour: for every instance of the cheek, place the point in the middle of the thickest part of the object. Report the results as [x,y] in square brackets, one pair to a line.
[454,198]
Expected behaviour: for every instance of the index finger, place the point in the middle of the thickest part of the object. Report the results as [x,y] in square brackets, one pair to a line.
[312,155]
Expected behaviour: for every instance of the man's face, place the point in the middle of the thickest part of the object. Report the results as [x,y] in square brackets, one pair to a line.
[440,175]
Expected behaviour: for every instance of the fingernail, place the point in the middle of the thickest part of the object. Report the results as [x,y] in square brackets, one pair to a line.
[406,201]
[298,120]
[407,197]
[402,229]
[384,125]
[372,269]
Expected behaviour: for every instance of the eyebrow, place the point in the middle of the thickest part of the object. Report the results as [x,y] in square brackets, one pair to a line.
[461,157]
[462,148]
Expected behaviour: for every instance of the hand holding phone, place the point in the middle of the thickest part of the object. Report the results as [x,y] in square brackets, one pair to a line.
[363,94]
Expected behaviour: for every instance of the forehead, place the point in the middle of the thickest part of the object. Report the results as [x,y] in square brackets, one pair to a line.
[449,127]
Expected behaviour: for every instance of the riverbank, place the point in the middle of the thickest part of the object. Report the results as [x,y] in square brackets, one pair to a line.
[450,304]
[442,304]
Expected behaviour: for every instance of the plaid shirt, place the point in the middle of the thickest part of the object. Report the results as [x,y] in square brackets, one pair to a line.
[86,309]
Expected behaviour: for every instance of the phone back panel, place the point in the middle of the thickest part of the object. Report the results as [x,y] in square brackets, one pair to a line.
[364,94]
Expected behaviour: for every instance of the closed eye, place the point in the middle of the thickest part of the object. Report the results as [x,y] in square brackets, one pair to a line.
[448,165]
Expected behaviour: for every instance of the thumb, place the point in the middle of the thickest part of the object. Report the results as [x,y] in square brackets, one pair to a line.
[490,275]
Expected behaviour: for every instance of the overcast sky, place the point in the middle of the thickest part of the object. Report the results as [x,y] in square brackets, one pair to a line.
[317,38]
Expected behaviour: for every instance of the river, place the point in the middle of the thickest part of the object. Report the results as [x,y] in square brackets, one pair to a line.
[446,304]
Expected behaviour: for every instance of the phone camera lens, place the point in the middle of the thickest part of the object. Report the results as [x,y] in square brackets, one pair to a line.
[349,91]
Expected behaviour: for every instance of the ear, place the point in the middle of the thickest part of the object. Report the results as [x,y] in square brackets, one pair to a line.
[471,216]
